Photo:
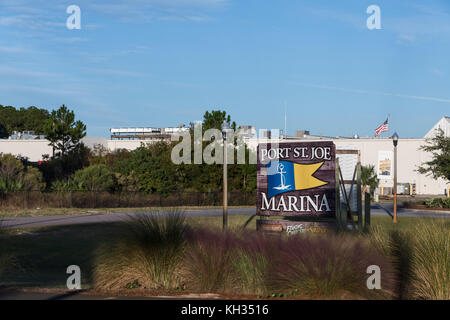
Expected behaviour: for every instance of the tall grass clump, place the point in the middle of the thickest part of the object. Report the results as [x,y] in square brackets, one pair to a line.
[379,239]
[400,245]
[431,261]
[251,262]
[314,266]
[233,262]
[396,246]
[147,253]
[420,257]
[329,266]
[208,260]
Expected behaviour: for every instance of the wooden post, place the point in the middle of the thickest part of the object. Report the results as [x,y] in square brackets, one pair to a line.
[359,195]
[225,187]
[338,200]
[344,216]
[367,211]
[346,197]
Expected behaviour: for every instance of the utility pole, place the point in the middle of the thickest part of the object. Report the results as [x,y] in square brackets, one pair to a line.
[225,128]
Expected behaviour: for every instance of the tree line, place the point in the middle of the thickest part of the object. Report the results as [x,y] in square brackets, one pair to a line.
[23,119]
[147,169]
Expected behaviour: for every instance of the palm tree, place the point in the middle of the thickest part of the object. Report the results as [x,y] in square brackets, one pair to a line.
[369,179]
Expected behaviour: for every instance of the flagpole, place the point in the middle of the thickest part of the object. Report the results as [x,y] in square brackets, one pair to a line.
[389,123]
[285,119]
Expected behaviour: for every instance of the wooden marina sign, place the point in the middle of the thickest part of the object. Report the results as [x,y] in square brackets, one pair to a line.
[296,179]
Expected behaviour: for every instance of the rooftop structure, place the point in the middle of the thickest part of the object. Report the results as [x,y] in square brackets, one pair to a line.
[25,135]
[247,131]
[146,133]
[443,124]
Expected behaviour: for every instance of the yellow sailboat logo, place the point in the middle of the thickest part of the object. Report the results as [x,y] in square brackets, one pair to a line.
[303,175]
[289,176]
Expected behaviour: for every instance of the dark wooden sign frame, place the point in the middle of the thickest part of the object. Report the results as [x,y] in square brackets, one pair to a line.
[297,221]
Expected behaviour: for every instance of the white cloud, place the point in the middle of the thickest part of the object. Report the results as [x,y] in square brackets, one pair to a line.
[400,95]
[40,15]
[182,84]
[437,72]
[173,10]
[115,72]
[71,40]
[41,90]
[412,22]
[25,73]
[186,18]
[4,49]
[355,19]
[423,23]
[17,20]
[406,38]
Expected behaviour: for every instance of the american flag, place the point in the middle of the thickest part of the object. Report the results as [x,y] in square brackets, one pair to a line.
[383,128]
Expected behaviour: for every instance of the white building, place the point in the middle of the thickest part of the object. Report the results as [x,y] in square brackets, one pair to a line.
[443,124]
[36,149]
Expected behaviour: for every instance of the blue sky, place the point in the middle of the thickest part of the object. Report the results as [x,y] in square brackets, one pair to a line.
[165,62]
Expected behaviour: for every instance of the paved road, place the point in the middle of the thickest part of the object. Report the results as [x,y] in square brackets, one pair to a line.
[30,295]
[384,209]
[51,294]
[44,221]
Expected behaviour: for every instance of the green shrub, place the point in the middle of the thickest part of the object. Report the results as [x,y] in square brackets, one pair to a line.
[62,185]
[14,176]
[94,178]
[439,203]
[63,167]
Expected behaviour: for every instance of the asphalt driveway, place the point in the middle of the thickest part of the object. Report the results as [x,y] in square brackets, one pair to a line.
[381,209]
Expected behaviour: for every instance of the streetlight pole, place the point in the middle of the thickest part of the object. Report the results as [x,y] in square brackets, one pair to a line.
[225,128]
[395,141]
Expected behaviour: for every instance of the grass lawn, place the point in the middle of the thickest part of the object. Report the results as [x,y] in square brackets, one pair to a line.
[11,213]
[43,254]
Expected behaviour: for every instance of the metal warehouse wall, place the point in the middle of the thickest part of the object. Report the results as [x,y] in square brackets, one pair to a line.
[32,149]
[409,158]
